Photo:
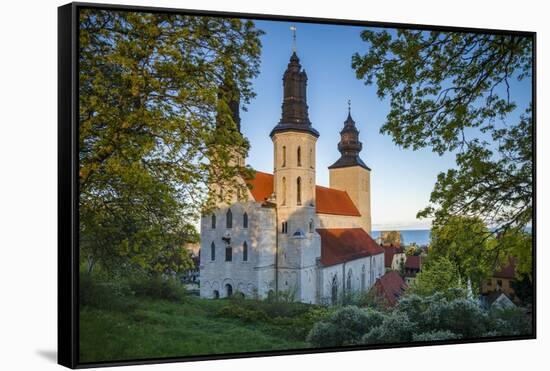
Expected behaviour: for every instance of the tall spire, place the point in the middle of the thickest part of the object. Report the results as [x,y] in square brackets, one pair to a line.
[294,108]
[349,145]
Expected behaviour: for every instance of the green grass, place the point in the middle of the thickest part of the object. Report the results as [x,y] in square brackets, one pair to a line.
[158,328]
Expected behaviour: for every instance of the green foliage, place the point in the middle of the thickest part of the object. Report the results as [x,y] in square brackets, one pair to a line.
[435,336]
[345,326]
[523,289]
[451,92]
[293,319]
[160,328]
[395,328]
[158,287]
[155,129]
[103,294]
[441,316]
[510,321]
[437,275]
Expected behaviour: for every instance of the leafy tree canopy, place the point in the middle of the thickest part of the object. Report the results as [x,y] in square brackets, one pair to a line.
[437,275]
[452,92]
[154,91]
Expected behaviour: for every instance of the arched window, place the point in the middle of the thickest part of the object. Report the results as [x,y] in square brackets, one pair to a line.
[245,220]
[228,254]
[311,165]
[284,156]
[299,191]
[299,156]
[334,290]
[348,283]
[213,221]
[311,226]
[229,219]
[245,251]
[283,191]
[212,251]
[363,276]
[284,228]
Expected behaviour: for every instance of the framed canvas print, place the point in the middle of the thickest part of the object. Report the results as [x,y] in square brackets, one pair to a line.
[240,185]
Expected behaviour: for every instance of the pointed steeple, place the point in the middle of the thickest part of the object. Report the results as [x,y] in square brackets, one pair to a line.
[229,93]
[294,109]
[349,145]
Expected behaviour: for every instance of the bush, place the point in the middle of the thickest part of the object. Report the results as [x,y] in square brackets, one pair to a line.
[158,287]
[345,326]
[395,328]
[113,295]
[510,322]
[435,336]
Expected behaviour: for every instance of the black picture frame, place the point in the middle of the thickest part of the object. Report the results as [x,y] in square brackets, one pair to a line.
[68,192]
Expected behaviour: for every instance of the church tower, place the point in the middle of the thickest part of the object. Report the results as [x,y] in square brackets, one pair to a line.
[294,141]
[350,173]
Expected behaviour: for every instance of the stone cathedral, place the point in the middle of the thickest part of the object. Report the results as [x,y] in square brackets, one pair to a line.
[291,235]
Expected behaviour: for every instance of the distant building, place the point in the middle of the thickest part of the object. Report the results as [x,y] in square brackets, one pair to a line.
[501,281]
[413,265]
[394,258]
[390,287]
[497,299]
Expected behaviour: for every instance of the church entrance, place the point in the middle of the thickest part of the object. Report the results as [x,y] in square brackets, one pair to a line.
[228,290]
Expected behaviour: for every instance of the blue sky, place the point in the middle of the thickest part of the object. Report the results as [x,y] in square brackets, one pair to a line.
[401,180]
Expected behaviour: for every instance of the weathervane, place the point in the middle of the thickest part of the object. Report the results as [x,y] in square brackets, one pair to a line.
[293,29]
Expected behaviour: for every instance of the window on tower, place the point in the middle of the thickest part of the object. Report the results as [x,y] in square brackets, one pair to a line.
[283,191]
[213,221]
[299,191]
[245,220]
[299,156]
[311,165]
[229,219]
[212,251]
[284,227]
[284,156]
[245,251]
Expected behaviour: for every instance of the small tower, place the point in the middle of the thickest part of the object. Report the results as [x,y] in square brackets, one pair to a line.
[350,173]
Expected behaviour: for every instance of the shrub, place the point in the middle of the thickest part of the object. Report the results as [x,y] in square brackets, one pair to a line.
[158,287]
[344,327]
[111,294]
[395,328]
[435,336]
[509,322]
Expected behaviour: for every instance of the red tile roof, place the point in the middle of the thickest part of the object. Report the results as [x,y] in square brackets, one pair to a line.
[261,186]
[334,201]
[508,271]
[329,201]
[413,262]
[390,286]
[339,245]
